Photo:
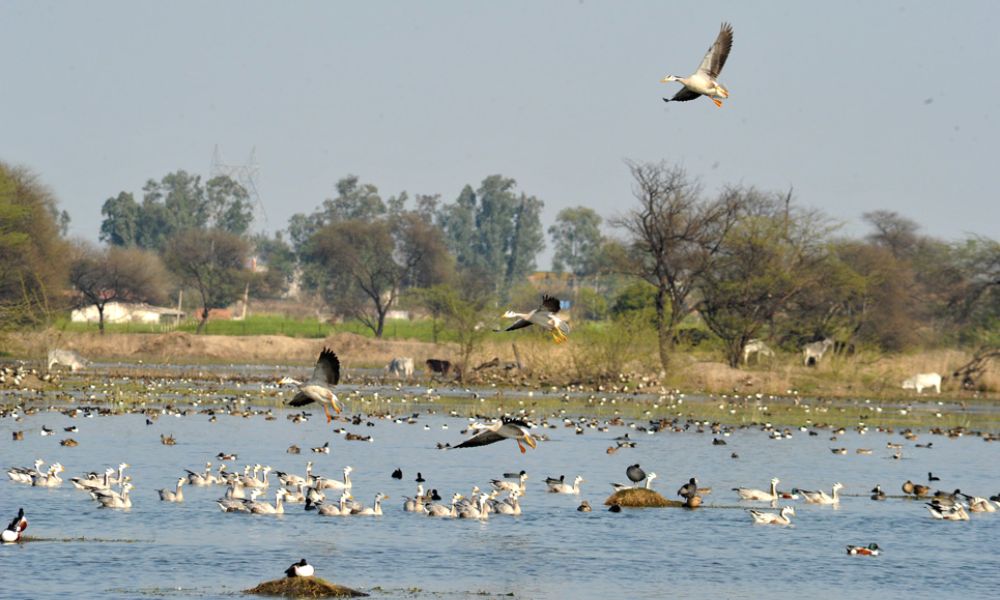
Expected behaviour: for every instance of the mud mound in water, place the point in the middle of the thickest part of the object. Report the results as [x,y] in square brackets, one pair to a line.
[303,587]
[640,498]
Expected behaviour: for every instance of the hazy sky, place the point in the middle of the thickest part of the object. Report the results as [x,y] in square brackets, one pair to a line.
[857,105]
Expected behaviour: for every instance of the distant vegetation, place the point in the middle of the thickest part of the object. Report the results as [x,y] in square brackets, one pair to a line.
[675,269]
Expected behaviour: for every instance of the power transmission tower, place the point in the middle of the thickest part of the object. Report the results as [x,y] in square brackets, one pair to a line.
[243,174]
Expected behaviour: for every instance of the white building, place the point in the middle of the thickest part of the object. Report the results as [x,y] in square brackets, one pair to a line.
[121,312]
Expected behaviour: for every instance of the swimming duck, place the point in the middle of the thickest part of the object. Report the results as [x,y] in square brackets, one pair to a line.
[505,485]
[319,388]
[584,507]
[869,550]
[440,510]
[322,483]
[759,495]
[335,510]
[375,510]
[915,489]
[877,493]
[300,569]
[13,531]
[704,81]
[821,497]
[770,518]
[176,495]
[266,508]
[112,499]
[944,512]
[560,487]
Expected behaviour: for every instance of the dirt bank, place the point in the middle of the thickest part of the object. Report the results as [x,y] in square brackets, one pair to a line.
[178,347]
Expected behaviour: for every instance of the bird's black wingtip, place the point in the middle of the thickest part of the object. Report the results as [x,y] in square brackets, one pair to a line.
[666,99]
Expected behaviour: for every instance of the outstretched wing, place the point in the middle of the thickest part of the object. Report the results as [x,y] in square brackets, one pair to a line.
[482,439]
[550,303]
[683,95]
[518,325]
[513,421]
[327,368]
[716,56]
[300,399]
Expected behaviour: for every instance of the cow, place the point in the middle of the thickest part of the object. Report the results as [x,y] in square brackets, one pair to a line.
[68,358]
[757,347]
[815,351]
[923,380]
[401,367]
[438,366]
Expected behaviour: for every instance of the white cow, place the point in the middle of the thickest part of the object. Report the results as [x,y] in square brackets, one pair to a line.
[401,367]
[923,380]
[815,351]
[68,358]
[757,347]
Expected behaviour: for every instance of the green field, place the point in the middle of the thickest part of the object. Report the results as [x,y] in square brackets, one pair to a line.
[267,325]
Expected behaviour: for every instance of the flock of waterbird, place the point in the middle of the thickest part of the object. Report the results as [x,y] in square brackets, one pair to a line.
[111,488]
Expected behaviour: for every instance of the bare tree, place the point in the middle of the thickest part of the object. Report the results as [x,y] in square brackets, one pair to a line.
[117,274]
[675,237]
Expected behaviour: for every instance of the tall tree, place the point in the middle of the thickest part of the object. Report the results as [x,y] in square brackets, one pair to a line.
[33,262]
[121,220]
[495,231]
[212,262]
[179,201]
[765,261]
[577,238]
[675,238]
[117,274]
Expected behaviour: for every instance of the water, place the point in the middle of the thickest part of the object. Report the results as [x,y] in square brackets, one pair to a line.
[552,551]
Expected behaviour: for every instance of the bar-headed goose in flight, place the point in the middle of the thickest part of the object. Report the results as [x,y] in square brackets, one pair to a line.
[704,81]
[319,388]
[544,316]
[506,429]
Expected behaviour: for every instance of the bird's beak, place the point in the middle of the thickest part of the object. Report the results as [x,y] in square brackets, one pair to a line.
[529,440]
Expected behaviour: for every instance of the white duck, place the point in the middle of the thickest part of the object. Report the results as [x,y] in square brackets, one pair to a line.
[821,497]
[559,487]
[760,495]
[770,518]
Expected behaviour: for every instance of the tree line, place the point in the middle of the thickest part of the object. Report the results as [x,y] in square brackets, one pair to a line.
[741,264]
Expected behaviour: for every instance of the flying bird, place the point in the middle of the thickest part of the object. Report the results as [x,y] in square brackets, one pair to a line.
[319,387]
[506,429]
[704,81]
[544,316]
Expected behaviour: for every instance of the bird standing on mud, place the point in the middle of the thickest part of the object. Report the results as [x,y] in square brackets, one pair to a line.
[319,387]
[704,81]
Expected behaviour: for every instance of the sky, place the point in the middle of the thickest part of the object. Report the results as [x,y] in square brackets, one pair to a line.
[855,105]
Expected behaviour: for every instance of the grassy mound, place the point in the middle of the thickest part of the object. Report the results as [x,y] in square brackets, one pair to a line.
[640,498]
[303,587]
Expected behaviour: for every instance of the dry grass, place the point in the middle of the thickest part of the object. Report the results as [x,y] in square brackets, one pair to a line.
[640,498]
[583,360]
[303,587]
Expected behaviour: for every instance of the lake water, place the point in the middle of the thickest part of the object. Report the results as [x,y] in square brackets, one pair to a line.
[192,550]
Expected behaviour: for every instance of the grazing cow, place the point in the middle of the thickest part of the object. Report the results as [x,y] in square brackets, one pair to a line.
[68,358]
[815,351]
[439,366]
[923,380]
[401,367]
[757,347]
